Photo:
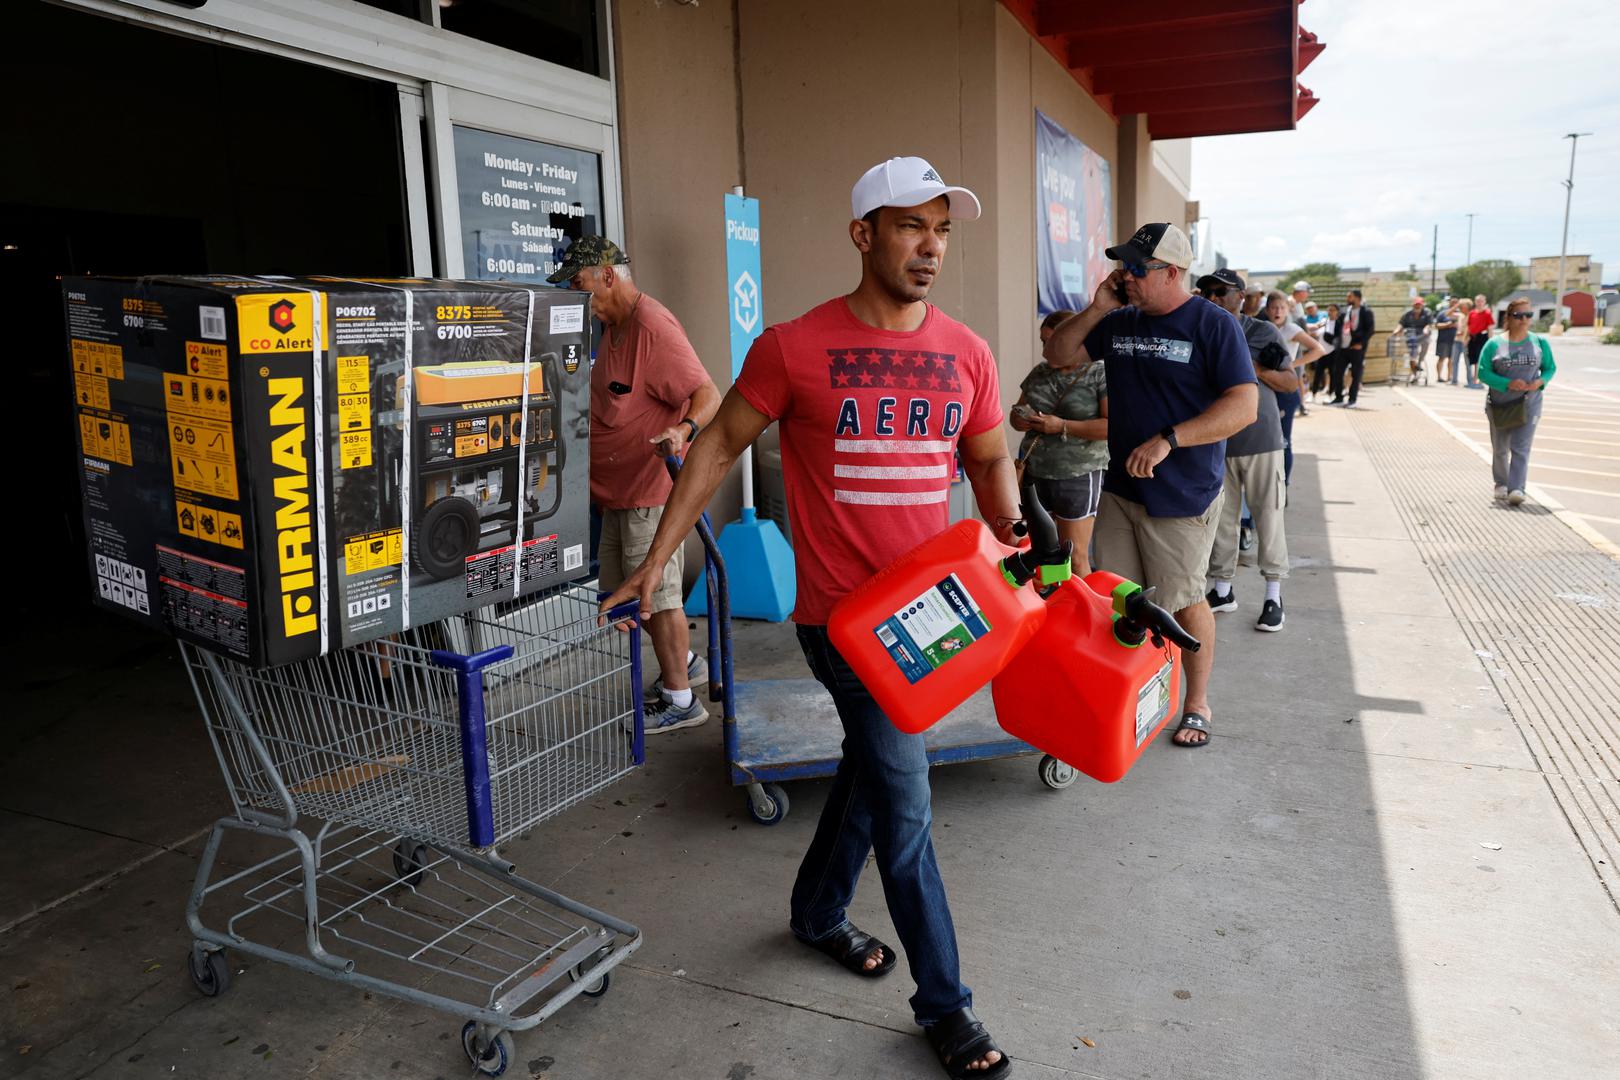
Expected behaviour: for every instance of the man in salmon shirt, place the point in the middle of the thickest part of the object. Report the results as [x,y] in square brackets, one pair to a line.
[875,392]
[649,397]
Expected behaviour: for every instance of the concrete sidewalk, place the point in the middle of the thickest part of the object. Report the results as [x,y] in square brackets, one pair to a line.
[1368,873]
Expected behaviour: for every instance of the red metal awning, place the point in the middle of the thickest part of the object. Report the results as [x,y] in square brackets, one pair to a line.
[1192,66]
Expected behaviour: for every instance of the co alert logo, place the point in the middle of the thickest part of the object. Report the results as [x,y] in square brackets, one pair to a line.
[281,316]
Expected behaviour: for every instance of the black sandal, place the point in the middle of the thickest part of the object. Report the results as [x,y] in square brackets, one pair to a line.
[1195,722]
[850,947]
[959,1040]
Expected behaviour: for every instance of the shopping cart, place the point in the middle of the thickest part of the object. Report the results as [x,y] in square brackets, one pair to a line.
[1408,352]
[420,755]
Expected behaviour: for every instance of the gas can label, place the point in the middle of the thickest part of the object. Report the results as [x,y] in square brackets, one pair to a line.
[1152,703]
[939,624]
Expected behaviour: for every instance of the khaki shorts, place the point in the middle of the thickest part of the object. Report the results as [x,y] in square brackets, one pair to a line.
[626,537]
[1171,553]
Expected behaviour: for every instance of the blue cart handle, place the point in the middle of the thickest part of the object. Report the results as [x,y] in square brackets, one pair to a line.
[474,741]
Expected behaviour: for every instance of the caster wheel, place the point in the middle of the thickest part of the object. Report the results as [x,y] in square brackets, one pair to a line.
[212,977]
[599,985]
[489,1056]
[1055,774]
[410,861]
[772,808]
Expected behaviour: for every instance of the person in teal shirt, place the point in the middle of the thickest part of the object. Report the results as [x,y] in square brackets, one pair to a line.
[1515,369]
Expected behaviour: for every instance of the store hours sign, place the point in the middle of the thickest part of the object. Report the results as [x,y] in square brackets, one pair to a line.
[522,203]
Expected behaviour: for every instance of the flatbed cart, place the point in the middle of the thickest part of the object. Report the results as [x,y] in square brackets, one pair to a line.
[778,730]
[419,757]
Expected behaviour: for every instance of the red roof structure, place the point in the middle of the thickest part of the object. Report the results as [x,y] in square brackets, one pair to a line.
[1192,66]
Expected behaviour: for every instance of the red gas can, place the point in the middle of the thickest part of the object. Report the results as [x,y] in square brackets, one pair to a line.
[935,625]
[1099,679]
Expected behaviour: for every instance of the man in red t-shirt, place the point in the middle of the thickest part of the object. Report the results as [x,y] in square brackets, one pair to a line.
[876,392]
[649,397]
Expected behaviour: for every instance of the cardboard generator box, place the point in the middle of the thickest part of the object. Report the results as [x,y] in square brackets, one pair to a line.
[274,468]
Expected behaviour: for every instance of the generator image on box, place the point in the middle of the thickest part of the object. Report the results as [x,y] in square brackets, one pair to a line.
[479,471]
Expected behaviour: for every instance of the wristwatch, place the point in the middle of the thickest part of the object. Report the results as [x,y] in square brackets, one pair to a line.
[691,423]
[1169,436]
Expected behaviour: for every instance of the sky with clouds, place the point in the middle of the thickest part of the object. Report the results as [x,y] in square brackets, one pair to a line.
[1430,110]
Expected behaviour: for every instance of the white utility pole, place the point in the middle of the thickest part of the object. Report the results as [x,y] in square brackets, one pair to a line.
[1469,260]
[1574,138]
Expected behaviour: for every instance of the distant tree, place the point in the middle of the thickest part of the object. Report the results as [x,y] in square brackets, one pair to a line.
[1404,275]
[1493,277]
[1432,299]
[1316,271]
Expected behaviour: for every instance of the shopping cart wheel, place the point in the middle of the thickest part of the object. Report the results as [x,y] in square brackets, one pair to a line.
[767,803]
[1056,774]
[212,976]
[489,1056]
[596,987]
[410,861]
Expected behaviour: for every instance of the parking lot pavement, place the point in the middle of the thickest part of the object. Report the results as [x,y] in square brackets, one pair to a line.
[1576,459]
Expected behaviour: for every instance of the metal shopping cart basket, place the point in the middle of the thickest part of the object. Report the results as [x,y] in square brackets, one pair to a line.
[1408,352]
[419,755]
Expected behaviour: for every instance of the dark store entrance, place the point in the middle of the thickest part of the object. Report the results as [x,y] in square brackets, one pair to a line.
[131,151]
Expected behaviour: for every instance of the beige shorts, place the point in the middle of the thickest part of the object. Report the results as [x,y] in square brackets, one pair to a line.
[1171,553]
[626,537]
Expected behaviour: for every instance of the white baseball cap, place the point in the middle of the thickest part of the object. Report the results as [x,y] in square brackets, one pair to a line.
[909,181]
[1302,286]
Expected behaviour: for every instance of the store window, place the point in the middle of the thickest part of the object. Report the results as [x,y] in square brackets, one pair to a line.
[522,203]
[564,32]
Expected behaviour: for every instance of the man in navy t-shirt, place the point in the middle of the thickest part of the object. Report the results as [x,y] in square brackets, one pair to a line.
[1179,382]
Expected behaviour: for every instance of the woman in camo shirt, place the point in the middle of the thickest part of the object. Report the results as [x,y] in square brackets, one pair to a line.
[1063,412]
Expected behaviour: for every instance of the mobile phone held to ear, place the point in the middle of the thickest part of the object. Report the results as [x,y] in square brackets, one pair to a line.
[1119,292]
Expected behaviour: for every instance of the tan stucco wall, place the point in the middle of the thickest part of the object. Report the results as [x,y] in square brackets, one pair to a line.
[678,147]
[825,95]
[1028,78]
[679,156]
[1164,201]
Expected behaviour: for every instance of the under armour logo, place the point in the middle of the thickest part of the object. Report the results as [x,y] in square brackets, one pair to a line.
[932,175]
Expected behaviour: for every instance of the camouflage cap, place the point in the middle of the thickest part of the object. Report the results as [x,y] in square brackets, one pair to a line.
[586,252]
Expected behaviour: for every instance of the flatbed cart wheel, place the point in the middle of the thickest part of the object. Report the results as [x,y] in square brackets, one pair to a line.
[489,1056]
[213,976]
[446,535]
[769,805]
[1056,774]
[410,861]
[598,986]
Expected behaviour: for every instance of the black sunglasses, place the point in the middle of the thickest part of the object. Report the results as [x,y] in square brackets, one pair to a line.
[1219,291]
[1519,314]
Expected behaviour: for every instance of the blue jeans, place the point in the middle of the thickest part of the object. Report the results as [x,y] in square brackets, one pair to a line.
[880,799]
[1287,405]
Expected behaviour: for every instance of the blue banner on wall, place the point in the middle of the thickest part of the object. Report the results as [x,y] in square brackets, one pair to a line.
[1074,218]
[742,276]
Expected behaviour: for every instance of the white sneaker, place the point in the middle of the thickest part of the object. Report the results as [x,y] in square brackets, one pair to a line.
[664,715]
[1515,498]
[1501,493]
